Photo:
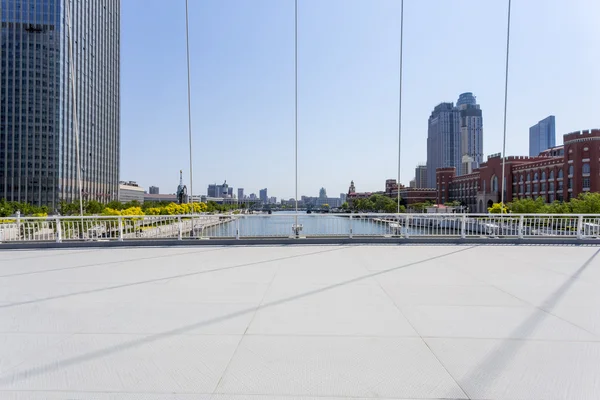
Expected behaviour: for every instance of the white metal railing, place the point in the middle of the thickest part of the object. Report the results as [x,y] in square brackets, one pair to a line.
[283,225]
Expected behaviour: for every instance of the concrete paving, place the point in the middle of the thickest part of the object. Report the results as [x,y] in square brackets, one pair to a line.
[301,322]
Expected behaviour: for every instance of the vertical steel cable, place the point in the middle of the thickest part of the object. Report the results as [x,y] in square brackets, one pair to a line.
[505,108]
[75,118]
[189,93]
[296,106]
[400,100]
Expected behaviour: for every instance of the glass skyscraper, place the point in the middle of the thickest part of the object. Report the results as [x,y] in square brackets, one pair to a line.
[455,137]
[443,140]
[542,136]
[38,147]
[471,133]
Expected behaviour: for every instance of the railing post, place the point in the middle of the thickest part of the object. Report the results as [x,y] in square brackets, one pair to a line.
[407,225]
[350,226]
[463,226]
[19,226]
[120,229]
[580,227]
[237,228]
[180,228]
[521,226]
[58,230]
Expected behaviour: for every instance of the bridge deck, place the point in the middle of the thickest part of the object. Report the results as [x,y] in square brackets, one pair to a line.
[301,322]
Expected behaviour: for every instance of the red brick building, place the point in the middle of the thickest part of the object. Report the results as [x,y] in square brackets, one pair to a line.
[560,173]
[409,195]
[353,195]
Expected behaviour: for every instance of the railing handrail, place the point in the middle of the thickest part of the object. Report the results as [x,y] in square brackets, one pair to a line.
[318,215]
[120,228]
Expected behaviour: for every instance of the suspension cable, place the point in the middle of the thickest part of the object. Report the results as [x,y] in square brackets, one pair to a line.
[74,102]
[505,108]
[189,98]
[400,100]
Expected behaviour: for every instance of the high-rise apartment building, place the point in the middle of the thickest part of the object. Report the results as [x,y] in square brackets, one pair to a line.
[154,190]
[49,129]
[421,176]
[240,193]
[471,133]
[262,194]
[542,136]
[443,140]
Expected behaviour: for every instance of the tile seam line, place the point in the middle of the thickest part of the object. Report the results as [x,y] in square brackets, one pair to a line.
[313,336]
[419,333]
[246,395]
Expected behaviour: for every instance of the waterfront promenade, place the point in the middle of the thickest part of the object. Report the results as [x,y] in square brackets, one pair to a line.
[301,322]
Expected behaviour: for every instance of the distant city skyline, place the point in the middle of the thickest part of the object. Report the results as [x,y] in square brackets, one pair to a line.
[243,85]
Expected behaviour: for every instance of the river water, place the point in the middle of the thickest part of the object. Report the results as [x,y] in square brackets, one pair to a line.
[281,224]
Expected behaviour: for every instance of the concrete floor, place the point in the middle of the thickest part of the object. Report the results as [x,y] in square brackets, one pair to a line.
[301,322]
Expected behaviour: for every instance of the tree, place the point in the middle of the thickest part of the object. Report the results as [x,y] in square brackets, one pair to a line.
[558,207]
[69,208]
[527,206]
[586,203]
[6,209]
[132,203]
[345,205]
[497,208]
[93,207]
[115,205]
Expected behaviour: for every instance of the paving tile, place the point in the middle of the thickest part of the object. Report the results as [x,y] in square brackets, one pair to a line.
[345,310]
[126,363]
[518,369]
[492,322]
[337,366]
[449,295]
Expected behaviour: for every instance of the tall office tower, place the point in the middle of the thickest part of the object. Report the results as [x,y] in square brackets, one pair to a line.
[263,196]
[542,136]
[421,176]
[443,140]
[57,128]
[471,133]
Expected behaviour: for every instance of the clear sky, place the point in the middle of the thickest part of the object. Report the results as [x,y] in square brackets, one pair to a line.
[242,66]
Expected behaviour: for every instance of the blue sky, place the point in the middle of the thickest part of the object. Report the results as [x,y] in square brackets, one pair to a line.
[242,66]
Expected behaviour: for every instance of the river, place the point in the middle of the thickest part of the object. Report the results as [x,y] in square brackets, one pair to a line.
[281,224]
